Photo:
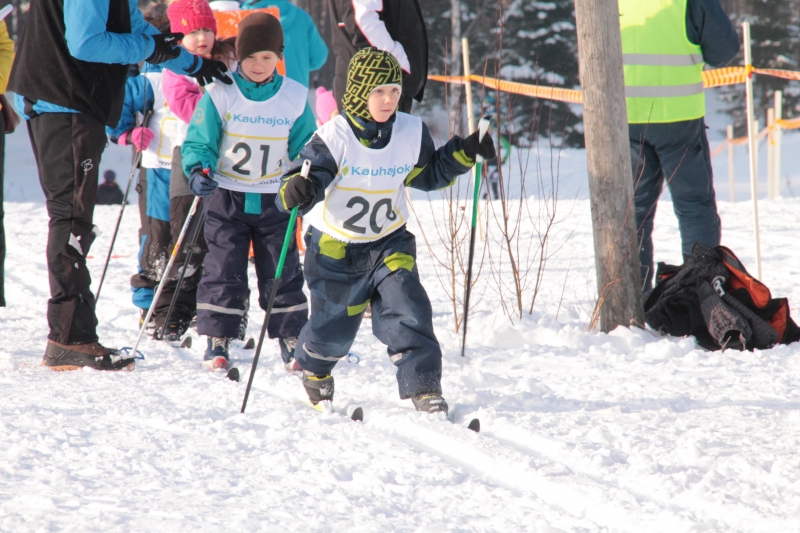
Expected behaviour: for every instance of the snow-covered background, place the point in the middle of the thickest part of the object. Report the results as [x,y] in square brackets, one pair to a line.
[580,431]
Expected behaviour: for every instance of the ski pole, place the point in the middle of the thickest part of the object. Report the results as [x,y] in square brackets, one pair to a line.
[136,161]
[287,239]
[191,248]
[172,257]
[483,125]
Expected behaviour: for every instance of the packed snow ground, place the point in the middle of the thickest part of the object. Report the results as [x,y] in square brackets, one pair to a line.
[580,431]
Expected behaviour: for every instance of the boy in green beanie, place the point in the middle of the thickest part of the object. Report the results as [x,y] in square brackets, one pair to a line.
[358,248]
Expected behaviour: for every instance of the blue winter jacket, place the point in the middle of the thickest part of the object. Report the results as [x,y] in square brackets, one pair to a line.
[139,98]
[304,49]
[88,40]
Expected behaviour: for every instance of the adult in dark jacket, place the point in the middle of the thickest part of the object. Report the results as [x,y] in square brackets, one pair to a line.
[394,26]
[69,79]
[665,44]
[108,192]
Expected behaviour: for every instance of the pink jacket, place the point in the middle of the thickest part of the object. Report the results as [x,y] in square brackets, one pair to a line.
[182,94]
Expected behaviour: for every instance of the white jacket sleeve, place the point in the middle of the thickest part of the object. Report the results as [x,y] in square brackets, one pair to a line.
[373,28]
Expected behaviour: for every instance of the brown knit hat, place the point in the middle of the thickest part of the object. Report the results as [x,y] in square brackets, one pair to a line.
[259,32]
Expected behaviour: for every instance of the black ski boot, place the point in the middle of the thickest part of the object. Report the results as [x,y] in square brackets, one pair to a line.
[430,403]
[319,387]
[76,356]
[176,329]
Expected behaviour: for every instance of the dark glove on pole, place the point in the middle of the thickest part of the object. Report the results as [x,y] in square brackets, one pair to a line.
[297,191]
[168,46]
[201,183]
[209,70]
[483,147]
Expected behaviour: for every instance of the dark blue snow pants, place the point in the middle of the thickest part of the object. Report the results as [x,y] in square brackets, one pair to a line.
[223,292]
[343,279]
[677,153]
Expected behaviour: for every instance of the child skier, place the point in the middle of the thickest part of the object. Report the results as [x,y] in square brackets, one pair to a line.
[358,248]
[162,214]
[235,152]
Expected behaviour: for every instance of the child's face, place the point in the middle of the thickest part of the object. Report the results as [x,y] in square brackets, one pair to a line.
[259,67]
[199,42]
[382,102]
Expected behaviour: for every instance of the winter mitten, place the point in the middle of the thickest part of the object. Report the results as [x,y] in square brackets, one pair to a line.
[297,191]
[210,69]
[484,148]
[139,137]
[168,46]
[202,184]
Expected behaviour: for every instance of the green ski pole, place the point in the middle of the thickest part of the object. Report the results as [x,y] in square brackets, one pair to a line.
[278,271]
[483,125]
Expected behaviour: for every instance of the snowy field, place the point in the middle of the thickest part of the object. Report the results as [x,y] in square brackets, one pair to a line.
[581,431]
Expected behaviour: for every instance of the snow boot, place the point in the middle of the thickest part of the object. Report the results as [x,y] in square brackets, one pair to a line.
[176,329]
[217,353]
[319,387]
[288,344]
[76,356]
[430,403]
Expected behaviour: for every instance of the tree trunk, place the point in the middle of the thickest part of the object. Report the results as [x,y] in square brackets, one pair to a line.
[619,285]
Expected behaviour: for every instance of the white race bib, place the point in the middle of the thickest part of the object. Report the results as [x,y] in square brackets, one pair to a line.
[367,199]
[254,150]
[164,126]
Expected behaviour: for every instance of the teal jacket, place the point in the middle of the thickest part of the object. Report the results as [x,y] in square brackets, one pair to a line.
[304,49]
[201,147]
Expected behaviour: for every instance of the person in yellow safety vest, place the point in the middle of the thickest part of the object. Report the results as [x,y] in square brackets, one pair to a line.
[665,44]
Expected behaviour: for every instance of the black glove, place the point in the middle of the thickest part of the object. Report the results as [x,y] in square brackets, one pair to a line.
[484,148]
[297,191]
[200,183]
[168,46]
[209,70]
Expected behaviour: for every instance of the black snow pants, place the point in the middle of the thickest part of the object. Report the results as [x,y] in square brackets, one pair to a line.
[67,148]
[676,153]
[223,292]
[343,279]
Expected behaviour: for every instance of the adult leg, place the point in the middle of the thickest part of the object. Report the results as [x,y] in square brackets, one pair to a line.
[648,180]
[290,309]
[684,153]
[222,293]
[402,319]
[67,148]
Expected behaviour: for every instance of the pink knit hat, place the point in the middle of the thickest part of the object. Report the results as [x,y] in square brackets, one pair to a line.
[326,104]
[185,16]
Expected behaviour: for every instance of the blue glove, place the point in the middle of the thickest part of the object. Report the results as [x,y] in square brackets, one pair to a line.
[202,184]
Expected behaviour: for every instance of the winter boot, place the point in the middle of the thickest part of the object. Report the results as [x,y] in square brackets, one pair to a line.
[288,344]
[76,356]
[217,353]
[319,387]
[430,403]
[245,319]
[176,328]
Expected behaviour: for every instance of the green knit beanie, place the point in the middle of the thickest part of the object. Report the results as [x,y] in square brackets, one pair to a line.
[369,68]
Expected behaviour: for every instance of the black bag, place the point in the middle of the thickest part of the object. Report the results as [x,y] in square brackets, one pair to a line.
[713,297]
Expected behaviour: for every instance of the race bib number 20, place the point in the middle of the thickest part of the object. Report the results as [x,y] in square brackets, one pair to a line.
[361,214]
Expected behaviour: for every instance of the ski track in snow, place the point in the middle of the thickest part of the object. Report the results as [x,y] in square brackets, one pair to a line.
[581,431]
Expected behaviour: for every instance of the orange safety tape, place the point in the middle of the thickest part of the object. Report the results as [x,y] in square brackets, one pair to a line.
[711,78]
[791,124]
[550,93]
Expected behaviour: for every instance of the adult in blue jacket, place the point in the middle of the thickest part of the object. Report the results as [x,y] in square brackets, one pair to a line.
[304,48]
[69,76]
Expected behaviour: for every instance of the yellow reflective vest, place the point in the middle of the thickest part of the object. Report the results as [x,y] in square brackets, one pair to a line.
[663,69]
